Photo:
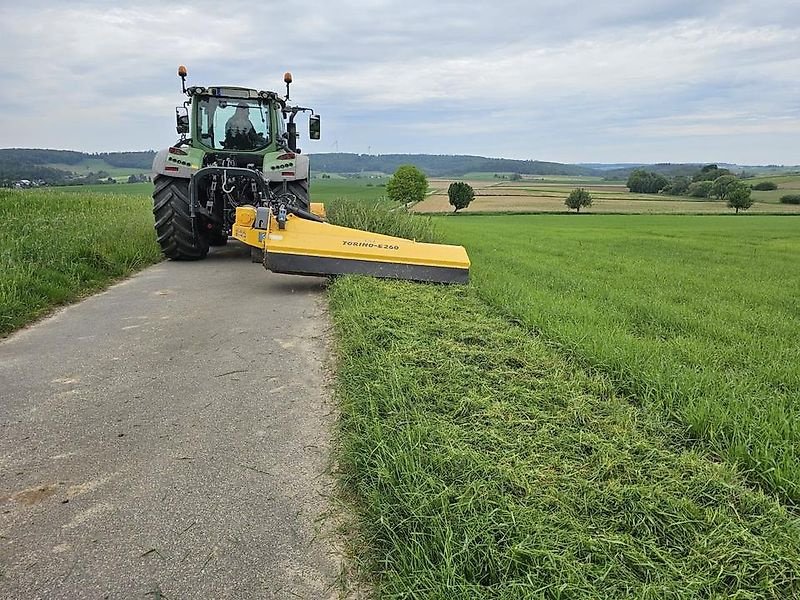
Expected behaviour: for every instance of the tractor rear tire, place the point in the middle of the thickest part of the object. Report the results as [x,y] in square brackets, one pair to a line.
[179,237]
[299,188]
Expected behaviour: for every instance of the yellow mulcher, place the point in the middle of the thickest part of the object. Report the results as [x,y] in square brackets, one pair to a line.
[239,173]
[295,243]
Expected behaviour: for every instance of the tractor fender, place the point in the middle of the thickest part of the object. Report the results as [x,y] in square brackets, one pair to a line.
[301,168]
[160,164]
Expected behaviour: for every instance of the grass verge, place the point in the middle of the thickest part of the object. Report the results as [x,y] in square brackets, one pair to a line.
[486,466]
[381,216]
[58,246]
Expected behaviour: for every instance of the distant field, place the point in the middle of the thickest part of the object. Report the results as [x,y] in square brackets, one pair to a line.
[126,189]
[698,317]
[57,246]
[787,184]
[323,190]
[608,197]
[93,165]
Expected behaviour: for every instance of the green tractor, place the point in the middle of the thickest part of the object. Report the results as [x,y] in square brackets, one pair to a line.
[237,147]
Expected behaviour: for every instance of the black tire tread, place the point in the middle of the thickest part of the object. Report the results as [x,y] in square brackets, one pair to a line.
[299,188]
[178,239]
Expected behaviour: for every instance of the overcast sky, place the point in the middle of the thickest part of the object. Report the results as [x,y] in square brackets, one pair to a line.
[632,81]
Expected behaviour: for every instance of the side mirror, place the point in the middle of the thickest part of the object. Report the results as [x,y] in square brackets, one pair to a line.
[313,127]
[182,119]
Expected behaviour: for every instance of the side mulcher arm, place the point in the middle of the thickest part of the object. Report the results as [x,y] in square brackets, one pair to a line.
[311,247]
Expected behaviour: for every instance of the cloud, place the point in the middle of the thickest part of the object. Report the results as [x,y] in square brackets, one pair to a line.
[548,80]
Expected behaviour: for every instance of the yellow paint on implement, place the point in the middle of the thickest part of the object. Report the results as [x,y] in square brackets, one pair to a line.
[318,208]
[344,250]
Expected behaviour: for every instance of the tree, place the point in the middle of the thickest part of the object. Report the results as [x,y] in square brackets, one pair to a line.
[738,196]
[577,198]
[719,188]
[515,177]
[407,186]
[646,182]
[460,194]
[678,187]
[700,189]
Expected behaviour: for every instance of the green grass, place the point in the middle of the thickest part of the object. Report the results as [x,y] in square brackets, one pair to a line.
[129,189]
[325,190]
[57,246]
[696,317]
[483,464]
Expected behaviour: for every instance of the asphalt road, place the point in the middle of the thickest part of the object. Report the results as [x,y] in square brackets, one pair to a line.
[169,438]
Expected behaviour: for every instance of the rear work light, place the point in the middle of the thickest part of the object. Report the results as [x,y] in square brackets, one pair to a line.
[287,156]
[174,150]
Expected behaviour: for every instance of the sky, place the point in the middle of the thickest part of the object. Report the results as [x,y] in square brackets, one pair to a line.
[566,81]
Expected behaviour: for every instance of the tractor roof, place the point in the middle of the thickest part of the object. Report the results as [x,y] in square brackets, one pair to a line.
[230,91]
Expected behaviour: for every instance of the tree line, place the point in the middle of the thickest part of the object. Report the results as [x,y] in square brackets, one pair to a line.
[710,181]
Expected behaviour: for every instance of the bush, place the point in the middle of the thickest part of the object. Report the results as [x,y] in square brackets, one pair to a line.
[407,186]
[790,199]
[577,198]
[678,187]
[700,189]
[765,186]
[460,194]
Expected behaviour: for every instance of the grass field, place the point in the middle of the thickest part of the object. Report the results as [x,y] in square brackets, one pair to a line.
[697,316]
[611,454]
[325,190]
[56,246]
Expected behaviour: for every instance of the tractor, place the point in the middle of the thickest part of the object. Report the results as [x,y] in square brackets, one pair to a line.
[237,147]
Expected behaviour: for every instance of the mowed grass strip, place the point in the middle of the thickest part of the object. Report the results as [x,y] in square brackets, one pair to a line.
[58,246]
[484,465]
[696,316]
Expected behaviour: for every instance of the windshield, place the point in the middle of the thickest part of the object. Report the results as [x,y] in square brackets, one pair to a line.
[233,124]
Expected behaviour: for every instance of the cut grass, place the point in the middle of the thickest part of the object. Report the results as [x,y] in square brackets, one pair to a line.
[58,246]
[697,317]
[484,465]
